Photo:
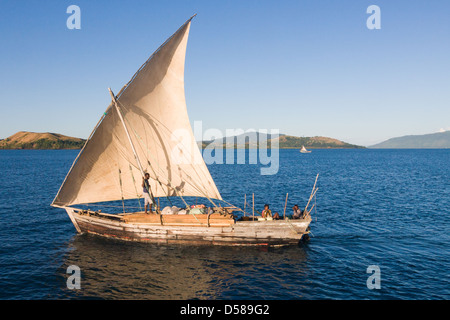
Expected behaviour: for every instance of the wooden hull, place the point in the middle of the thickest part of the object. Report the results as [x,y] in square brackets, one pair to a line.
[206,229]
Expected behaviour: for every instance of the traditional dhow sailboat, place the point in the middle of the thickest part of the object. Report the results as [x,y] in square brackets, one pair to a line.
[146,129]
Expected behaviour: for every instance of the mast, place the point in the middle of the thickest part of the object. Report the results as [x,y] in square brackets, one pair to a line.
[131,142]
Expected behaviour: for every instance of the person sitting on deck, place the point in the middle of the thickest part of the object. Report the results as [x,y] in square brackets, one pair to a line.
[266,212]
[276,216]
[297,212]
[146,194]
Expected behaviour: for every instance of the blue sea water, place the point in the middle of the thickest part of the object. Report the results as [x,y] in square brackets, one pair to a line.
[389,208]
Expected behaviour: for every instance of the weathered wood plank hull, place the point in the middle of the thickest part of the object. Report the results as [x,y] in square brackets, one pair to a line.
[275,232]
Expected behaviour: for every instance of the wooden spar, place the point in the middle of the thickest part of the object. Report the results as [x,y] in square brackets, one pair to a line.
[285,204]
[310,198]
[313,192]
[315,181]
[131,142]
[253,207]
[245,202]
[311,209]
[314,205]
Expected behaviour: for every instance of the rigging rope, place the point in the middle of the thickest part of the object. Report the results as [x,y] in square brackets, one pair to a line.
[157,179]
[121,191]
[134,183]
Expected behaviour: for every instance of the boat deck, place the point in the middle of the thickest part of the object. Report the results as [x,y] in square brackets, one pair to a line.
[209,220]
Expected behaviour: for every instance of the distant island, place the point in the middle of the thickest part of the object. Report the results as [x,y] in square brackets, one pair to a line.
[253,139]
[286,142]
[34,140]
[439,140]
[47,140]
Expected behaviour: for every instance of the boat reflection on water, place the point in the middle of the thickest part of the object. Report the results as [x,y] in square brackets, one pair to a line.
[113,269]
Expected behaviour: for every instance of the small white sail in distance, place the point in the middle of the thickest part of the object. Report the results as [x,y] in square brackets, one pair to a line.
[303,150]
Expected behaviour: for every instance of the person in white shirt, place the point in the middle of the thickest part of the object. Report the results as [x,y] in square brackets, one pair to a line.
[146,194]
[297,212]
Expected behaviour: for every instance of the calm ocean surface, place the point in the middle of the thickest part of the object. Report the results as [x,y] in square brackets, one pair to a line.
[389,208]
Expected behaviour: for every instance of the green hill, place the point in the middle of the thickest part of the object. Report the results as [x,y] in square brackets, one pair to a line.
[34,140]
[252,140]
[314,143]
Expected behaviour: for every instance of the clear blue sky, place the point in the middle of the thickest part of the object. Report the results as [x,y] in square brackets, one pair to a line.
[305,67]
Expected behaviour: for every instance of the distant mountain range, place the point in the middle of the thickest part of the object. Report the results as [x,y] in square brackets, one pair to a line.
[47,140]
[34,140]
[440,140]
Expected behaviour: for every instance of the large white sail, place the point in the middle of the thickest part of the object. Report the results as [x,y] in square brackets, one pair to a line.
[154,110]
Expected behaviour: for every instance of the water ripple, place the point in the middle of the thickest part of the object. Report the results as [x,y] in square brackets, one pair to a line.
[374,207]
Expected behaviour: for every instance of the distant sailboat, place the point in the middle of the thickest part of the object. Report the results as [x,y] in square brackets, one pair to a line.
[303,150]
[136,135]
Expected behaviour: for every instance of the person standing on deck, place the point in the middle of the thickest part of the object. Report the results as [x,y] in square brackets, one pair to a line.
[148,200]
